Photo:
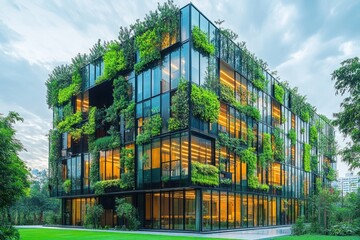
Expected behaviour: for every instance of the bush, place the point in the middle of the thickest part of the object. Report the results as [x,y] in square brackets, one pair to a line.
[93,215]
[128,212]
[343,229]
[8,232]
[299,227]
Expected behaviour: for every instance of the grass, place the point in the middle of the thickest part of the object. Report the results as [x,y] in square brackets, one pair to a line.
[317,237]
[59,234]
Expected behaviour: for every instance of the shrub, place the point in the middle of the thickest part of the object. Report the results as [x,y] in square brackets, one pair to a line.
[343,229]
[205,103]
[201,41]
[67,186]
[279,93]
[205,174]
[93,215]
[292,136]
[8,232]
[100,186]
[128,212]
[114,61]
[299,227]
[307,157]
[313,136]
[149,48]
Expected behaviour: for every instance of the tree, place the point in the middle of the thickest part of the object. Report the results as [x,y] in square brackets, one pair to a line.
[127,211]
[347,83]
[13,171]
[93,215]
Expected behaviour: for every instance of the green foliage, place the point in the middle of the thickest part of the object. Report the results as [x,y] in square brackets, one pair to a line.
[279,93]
[205,104]
[227,94]
[249,157]
[8,232]
[300,107]
[97,51]
[101,186]
[126,210]
[93,215]
[148,44]
[266,157]
[65,94]
[180,107]
[233,144]
[201,42]
[14,173]
[59,78]
[127,163]
[331,175]
[314,163]
[121,98]
[313,136]
[54,153]
[250,136]
[299,227]
[292,136]
[259,80]
[253,182]
[264,187]
[69,122]
[225,181]
[307,157]
[104,143]
[129,115]
[90,126]
[279,152]
[204,174]
[343,229]
[152,127]
[114,61]
[67,186]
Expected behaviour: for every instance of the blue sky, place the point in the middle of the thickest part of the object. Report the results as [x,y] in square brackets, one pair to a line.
[303,40]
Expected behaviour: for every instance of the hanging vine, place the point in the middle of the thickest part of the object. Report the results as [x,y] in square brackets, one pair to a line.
[180,107]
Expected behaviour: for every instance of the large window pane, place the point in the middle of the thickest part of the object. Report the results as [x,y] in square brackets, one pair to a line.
[190,210]
[156,80]
[185,23]
[147,84]
[175,69]
[185,61]
[165,75]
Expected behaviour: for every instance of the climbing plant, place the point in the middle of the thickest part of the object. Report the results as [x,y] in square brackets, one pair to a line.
[279,93]
[313,136]
[127,162]
[152,127]
[266,157]
[149,46]
[205,104]
[259,80]
[114,61]
[279,152]
[307,157]
[201,42]
[292,136]
[69,122]
[180,107]
[249,157]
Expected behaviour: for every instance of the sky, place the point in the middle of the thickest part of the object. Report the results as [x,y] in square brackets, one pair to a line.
[303,40]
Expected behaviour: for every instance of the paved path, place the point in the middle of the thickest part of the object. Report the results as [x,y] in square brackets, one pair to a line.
[265,233]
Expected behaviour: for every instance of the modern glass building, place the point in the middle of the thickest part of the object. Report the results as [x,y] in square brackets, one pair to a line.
[188,126]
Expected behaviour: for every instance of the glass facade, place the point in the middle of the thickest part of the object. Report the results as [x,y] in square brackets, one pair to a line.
[165,195]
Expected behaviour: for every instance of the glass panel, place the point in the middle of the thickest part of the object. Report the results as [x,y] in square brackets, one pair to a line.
[223,210]
[195,66]
[231,210]
[108,167]
[185,23]
[148,205]
[165,81]
[156,211]
[190,210]
[116,161]
[165,211]
[156,81]
[92,74]
[185,61]
[194,17]
[238,210]
[185,155]
[206,210]
[215,210]
[178,210]
[147,84]
[165,110]
[155,105]
[175,69]
[201,150]
[139,87]
[102,165]
[165,157]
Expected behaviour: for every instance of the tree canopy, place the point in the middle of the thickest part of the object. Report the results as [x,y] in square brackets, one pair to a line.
[347,84]
[13,171]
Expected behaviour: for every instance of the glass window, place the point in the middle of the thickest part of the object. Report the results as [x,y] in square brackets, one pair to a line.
[165,157]
[215,210]
[147,109]
[165,110]
[223,210]
[206,210]
[185,154]
[175,69]
[139,87]
[185,23]
[85,77]
[185,61]
[147,83]
[165,81]
[155,105]
[92,74]
[156,80]
[178,210]
[203,68]
[190,210]
[204,24]
[201,150]
[175,156]
[194,17]
[102,165]
[195,66]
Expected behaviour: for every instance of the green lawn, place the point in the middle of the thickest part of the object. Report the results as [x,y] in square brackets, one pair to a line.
[317,237]
[59,234]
